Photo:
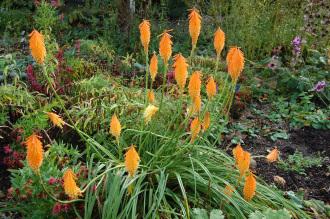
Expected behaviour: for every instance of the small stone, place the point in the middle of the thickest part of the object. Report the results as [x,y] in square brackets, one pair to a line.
[253,164]
[279,181]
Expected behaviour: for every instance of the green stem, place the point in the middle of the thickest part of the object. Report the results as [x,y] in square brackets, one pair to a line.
[147,78]
[163,88]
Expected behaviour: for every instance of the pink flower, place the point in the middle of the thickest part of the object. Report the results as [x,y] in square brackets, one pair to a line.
[52,181]
[7,149]
[57,208]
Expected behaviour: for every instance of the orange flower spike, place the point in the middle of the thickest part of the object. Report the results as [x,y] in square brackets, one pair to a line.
[151,96]
[235,62]
[35,152]
[194,86]
[211,88]
[272,156]
[249,189]
[115,127]
[197,104]
[206,121]
[244,163]
[219,41]
[56,119]
[69,183]
[195,128]
[153,67]
[165,46]
[145,34]
[37,46]
[180,70]
[195,21]
[132,160]
[238,153]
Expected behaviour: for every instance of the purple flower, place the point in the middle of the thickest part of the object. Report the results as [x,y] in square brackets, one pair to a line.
[274,63]
[296,43]
[319,86]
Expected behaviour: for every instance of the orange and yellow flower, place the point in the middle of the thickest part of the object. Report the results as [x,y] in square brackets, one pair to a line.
[194,86]
[165,46]
[37,46]
[219,41]
[195,21]
[115,127]
[250,186]
[35,152]
[132,160]
[206,121]
[235,62]
[145,34]
[180,70]
[211,88]
[69,183]
[238,153]
[195,128]
[151,96]
[153,67]
[244,163]
[149,112]
[56,119]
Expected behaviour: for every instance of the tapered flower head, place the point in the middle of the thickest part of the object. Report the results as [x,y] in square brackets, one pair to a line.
[35,153]
[219,41]
[195,21]
[145,34]
[151,96]
[56,119]
[132,160]
[194,86]
[197,104]
[115,127]
[238,153]
[195,128]
[250,186]
[165,46]
[37,46]
[206,121]
[153,67]
[180,70]
[273,155]
[235,62]
[69,183]
[149,112]
[244,163]
[211,88]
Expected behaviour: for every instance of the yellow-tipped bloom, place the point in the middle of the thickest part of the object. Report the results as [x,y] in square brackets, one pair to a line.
[165,46]
[149,113]
[132,160]
[244,163]
[145,34]
[194,86]
[206,121]
[235,62]
[56,119]
[37,46]
[35,152]
[273,155]
[180,70]
[151,96]
[115,127]
[249,189]
[153,67]
[69,183]
[219,41]
[195,128]
[194,26]
[211,88]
